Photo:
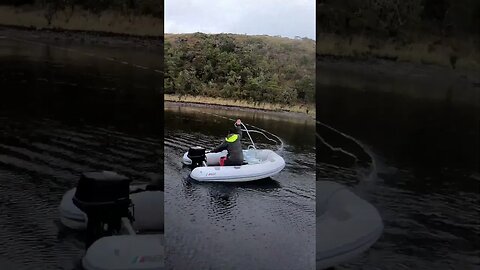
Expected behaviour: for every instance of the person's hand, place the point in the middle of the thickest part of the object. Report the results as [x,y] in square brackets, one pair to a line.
[239,122]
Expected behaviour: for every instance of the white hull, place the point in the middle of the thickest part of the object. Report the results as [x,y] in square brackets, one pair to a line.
[126,252]
[261,164]
[346,225]
[70,215]
[148,211]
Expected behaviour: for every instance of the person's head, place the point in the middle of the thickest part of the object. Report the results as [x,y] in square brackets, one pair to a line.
[231,131]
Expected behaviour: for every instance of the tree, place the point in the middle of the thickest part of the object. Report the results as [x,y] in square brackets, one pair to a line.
[238,67]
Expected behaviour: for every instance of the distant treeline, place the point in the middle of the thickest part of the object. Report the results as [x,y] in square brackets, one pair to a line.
[241,67]
[399,18]
[143,7]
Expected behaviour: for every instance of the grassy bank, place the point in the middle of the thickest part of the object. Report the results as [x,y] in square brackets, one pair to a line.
[303,109]
[430,32]
[80,19]
[430,50]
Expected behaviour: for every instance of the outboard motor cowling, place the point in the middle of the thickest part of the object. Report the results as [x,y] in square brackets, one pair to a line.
[197,155]
[105,198]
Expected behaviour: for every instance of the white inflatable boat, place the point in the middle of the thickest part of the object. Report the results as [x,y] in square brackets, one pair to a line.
[148,210]
[258,164]
[346,225]
[112,212]
[126,252]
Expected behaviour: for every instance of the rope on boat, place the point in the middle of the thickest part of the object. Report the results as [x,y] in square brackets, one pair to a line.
[253,144]
[259,130]
[266,137]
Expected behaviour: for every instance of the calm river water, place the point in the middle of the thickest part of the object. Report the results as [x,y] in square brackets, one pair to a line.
[420,129]
[265,224]
[66,109]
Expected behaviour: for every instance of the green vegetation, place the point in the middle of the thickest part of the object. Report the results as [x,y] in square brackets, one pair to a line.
[257,69]
[126,7]
[399,18]
[134,17]
[441,32]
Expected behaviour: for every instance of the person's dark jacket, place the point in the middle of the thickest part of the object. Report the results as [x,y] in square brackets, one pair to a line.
[235,154]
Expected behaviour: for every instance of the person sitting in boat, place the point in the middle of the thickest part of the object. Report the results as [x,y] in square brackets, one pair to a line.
[233,145]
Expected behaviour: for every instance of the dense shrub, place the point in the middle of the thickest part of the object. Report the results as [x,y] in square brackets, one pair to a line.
[398,17]
[254,68]
[144,7]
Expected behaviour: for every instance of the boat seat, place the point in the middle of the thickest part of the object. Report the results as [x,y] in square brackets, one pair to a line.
[252,161]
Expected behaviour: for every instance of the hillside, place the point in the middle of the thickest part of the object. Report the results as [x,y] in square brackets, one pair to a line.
[257,69]
[433,32]
[137,18]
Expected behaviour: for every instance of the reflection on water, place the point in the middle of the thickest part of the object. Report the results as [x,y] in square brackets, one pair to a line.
[208,120]
[266,224]
[424,179]
[63,113]
[90,89]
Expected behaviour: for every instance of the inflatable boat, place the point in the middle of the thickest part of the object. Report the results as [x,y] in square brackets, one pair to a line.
[126,252]
[347,225]
[148,214]
[258,164]
[112,212]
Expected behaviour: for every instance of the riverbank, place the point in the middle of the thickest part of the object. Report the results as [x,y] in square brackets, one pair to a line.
[81,37]
[81,20]
[451,52]
[298,110]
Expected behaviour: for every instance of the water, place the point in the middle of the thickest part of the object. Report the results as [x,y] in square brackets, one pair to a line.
[266,224]
[419,127]
[69,108]
[63,112]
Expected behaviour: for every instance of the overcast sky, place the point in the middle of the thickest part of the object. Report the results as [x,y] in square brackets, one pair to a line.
[288,18]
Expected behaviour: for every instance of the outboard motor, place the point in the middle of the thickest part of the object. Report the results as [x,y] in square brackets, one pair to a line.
[197,155]
[104,198]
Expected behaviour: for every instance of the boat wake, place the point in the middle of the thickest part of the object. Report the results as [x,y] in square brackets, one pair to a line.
[345,153]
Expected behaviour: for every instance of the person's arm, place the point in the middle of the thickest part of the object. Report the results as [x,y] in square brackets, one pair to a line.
[238,126]
[220,148]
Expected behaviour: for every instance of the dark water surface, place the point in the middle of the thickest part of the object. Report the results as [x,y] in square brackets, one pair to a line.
[65,109]
[266,224]
[421,132]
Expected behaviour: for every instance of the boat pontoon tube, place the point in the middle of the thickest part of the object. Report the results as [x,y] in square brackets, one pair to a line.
[149,212]
[259,164]
[346,225]
[126,252]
